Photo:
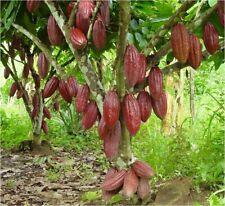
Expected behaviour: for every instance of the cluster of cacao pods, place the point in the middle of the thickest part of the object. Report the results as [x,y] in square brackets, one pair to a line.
[130,181]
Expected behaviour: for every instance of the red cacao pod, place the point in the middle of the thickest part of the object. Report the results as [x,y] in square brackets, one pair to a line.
[111,108]
[210,38]
[180,42]
[32,5]
[13,89]
[131,65]
[55,35]
[30,60]
[19,93]
[103,130]
[145,105]
[47,113]
[82,98]
[130,183]
[56,105]
[131,114]
[160,106]
[82,23]
[44,127]
[155,82]
[71,81]
[43,65]
[69,9]
[50,87]
[220,12]
[26,70]
[99,34]
[105,12]
[142,169]
[90,115]
[64,91]
[78,38]
[37,81]
[143,188]
[34,113]
[142,68]
[112,141]
[86,7]
[35,101]
[7,72]
[195,54]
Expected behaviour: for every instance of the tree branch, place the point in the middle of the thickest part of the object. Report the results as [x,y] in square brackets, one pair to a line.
[72,14]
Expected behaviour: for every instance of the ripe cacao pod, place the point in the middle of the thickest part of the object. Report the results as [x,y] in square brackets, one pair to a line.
[26,70]
[55,35]
[86,7]
[99,34]
[111,108]
[30,60]
[131,67]
[64,90]
[50,87]
[46,113]
[143,188]
[37,81]
[90,115]
[103,130]
[142,68]
[130,183]
[210,38]
[144,101]
[7,72]
[155,82]
[142,169]
[69,9]
[43,65]
[131,114]
[16,42]
[220,12]
[13,89]
[72,84]
[78,38]
[32,5]
[35,101]
[115,182]
[56,105]
[195,54]
[180,42]
[160,106]
[44,127]
[34,113]
[105,12]
[112,141]
[82,98]
[82,23]
[19,93]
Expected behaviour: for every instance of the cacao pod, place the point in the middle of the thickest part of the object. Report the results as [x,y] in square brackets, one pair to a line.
[220,12]
[64,91]
[37,80]
[112,141]
[13,89]
[131,114]
[86,7]
[142,169]
[16,43]
[22,54]
[111,109]
[35,101]
[42,65]
[103,130]
[130,183]
[131,67]
[72,84]
[145,105]
[105,12]
[19,93]
[50,87]
[69,9]
[90,115]
[160,106]
[26,70]
[7,72]
[142,68]
[82,98]
[155,82]
[115,182]
[46,113]
[44,127]
[99,34]
[56,105]
[210,38]
[30,60]
[82,23]
[34,113]
[180,42]
[195,54]
[32,5]
[78,38]
[143,188]
[55,35]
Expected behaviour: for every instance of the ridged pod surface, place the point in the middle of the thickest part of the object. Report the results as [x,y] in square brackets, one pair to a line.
[69,9]
[103,130]
[211,38]
[82,98]
[32,5]
[143,188]
[90,115]
[44,127]
[111,108]
[160,106]
[72,83]
[50,87]
[142,169]
[64,91]
[6,72]
[78,39]
[144,101]
[180,42]
[34,113]
[13,89]
[142,68]
[47,113]
[43,65]
[195,54]
[105,12]
[26,70]
[131,114]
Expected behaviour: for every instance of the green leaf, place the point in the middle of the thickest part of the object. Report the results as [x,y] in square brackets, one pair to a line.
[134,24]
[130,38]
[212,2]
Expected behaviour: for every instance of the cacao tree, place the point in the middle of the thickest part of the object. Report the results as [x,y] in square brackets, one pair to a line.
[86,29]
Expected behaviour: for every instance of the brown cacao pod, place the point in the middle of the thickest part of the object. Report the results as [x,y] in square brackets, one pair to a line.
[82,98]
[72,84]
[7,72]
[19,93]
[180,42]
[195,54]
[142,68]
[131,114]
[13,89]
[44,127]
[78,38]
[143,188]
[64,90]
[103,130]
[220,12]
[115,182]
[111,108]
[55,35]
[211,38]
[16,42]
[155,82]
[34,113]
[32,5]
[99,34]
[105,12]
[50,87]
[22,54]
[35,101]
[47,113]
[56,105]
[131,67]
[130,183]
[43,65]
[144,101]
[30,60]
[69,9]
[26,70]
[90,115]
[37,81]
[112,141]
[160,106]
[142,169]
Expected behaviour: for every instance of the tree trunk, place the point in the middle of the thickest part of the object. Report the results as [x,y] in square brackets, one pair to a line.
[192,95]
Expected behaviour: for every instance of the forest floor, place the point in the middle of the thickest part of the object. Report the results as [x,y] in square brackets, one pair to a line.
[72,178]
